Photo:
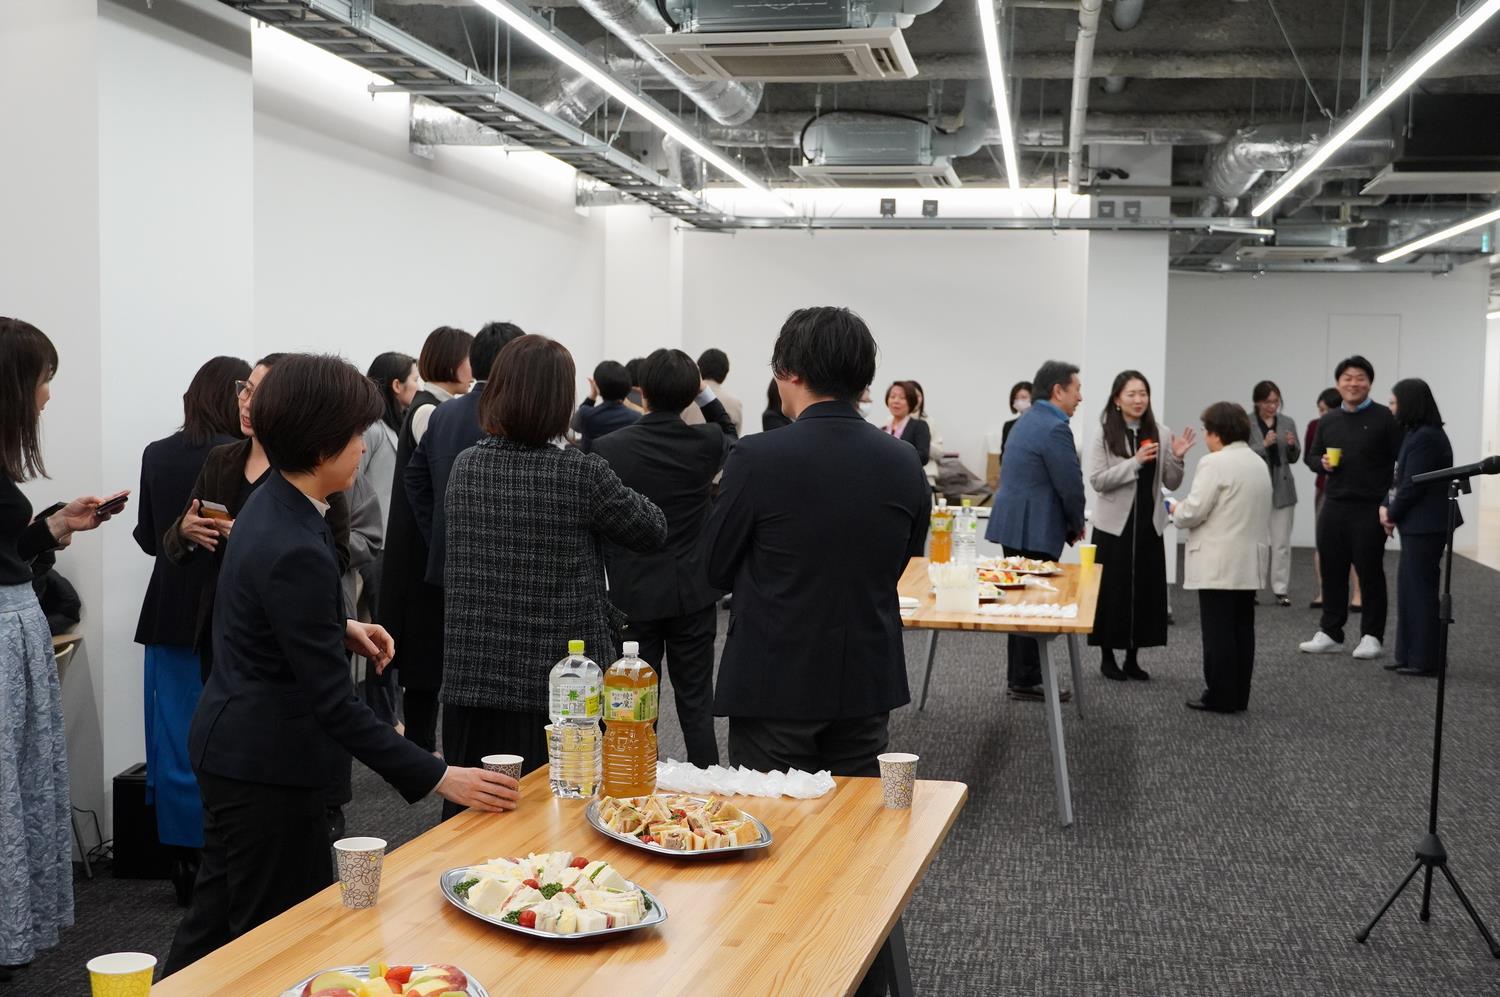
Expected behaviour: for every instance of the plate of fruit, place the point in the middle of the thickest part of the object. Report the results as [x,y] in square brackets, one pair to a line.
[554,895]
[691,826]
[381,980]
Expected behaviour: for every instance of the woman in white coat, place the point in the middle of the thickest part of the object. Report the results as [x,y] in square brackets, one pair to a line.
[1227,514]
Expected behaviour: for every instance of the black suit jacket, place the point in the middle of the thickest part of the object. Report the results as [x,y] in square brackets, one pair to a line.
[672,464]
[453,428]
[169,467]
[279,700]
[593,422]
[918,434]
[813,527]
[1421,508]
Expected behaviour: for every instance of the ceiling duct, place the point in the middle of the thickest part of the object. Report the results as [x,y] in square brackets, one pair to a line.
[1237,164]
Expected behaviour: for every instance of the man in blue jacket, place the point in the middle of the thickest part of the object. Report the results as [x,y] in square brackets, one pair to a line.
[1039,509]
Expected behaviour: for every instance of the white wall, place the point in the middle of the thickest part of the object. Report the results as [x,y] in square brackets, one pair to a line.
[642,285]
[1227,332]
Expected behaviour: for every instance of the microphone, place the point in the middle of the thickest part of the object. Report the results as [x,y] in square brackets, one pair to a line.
[1489,465]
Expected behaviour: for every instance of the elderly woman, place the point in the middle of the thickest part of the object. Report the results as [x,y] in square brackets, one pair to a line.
[1227,513]
[1128,467]
[1274,437]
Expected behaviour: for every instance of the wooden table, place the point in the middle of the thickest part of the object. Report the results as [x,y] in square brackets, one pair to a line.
[805,916]
[1072,586]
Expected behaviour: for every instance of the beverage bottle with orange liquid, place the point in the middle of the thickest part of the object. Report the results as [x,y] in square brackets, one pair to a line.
[940,534]
[630,709]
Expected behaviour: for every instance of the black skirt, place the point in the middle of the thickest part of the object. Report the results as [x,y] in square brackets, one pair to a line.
[1132,609]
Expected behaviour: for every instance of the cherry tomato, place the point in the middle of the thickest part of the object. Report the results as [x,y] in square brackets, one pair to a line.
[569,889]
[580,862]
[399,974]
[528,919]
[531,883]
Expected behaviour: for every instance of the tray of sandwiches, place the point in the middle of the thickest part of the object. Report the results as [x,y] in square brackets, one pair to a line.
[554,895]
[1021,565]
[677,825]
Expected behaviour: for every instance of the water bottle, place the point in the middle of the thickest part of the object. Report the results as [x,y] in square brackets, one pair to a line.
[574,743]
[966,535]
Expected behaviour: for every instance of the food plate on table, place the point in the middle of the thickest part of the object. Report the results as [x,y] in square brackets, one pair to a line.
[678,824]
[1000,579]
[1024,566]
[381,980]
[553,895]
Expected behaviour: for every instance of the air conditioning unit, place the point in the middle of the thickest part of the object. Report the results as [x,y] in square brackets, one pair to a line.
[835,55]
[936,175]
[1291,254]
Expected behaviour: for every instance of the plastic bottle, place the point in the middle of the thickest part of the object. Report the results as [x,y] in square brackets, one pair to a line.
[574,742]
[966,535]
[940,534]
[630,710]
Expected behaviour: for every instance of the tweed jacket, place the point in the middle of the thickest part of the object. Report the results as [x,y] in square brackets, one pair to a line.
[524,572]
[1114,479]
[1280,460]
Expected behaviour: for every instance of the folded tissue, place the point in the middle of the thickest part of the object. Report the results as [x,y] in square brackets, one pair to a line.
[1048,610]
[680,777]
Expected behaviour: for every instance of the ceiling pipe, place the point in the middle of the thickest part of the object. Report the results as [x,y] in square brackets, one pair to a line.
[1126,14]
[969,137]
[1115,84]
[1083,61]
[1236,165]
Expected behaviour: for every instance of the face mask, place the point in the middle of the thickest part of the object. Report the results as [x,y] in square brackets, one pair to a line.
[865,408]
[1022,405]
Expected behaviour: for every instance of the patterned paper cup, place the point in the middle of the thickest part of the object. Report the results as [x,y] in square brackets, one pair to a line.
[898,774]
[121,974]
[360,860]
[504,764]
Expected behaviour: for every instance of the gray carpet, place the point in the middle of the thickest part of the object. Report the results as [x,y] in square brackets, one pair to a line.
[1211,854]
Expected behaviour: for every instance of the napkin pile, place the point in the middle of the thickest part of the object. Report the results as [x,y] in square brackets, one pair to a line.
[1050,610]
[681,777]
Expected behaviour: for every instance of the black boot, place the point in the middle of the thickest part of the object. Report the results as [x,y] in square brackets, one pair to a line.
[185,874]
[1133,670]
[1107,666]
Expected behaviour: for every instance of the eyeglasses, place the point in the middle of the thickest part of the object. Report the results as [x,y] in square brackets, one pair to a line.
[244,389]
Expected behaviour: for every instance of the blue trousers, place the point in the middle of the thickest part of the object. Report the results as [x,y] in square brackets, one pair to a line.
[173,686]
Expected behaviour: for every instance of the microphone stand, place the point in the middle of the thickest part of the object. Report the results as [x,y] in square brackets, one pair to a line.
[1430,851]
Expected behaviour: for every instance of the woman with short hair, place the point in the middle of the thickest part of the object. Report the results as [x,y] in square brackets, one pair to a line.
[1227,515]
[902,400]
[524,571]
[1274,437]
[1020,403]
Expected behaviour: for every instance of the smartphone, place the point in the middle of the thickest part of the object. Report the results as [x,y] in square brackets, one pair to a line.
[113,504]
[213,510]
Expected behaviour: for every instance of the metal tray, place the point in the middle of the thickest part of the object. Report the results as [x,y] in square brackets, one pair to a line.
[476,989]
[656,915]
[592,813]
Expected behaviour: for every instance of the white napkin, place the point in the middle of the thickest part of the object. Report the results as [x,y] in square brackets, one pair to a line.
[908,602]
[681,777]
[1049,610]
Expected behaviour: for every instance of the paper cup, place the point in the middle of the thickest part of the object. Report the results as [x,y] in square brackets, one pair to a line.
[898,774]
[360,860]
[1086,554]
[1335,454]
[504,764]
[121,974]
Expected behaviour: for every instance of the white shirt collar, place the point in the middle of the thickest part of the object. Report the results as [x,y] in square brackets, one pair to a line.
[442,394]
[322,507]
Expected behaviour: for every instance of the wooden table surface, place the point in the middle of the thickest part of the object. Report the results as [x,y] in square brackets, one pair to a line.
[805,916]
[1070,586]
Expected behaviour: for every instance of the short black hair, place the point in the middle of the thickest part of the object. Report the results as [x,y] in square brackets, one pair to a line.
[633,368]
[488,343]
[209,405]
[388,367]
[773,398]
[27,358]
[269,360]
[443,352]
[1053,374]
[1355,361]
[1330,398]
[1016,389]
[669,381]
[530,397]
[830,348]
[1228,421]
[308,408]
[1415,405]
[1264,390]
[614,381]
[714,365]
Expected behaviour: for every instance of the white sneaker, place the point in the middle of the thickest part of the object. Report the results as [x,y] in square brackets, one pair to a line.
[1369,647]
[1321,644]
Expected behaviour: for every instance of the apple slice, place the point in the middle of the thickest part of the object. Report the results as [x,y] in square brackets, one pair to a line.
[331,981]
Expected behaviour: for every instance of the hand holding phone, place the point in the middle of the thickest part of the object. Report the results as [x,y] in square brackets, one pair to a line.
[112,505]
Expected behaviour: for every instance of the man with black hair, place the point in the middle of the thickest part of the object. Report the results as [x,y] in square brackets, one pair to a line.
[1356,447]
[666,595]
[613,383]
[714,365]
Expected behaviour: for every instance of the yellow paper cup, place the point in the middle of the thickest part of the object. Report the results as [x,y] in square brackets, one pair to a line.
[122,974]
[1335,454]
[1086,554]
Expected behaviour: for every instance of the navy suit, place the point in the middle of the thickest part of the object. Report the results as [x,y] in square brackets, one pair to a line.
[453,428]
[1420,512]
[1038,510]
[276,704]
[592,421]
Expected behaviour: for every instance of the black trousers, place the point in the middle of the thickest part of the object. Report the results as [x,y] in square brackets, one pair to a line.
[471,732]
[265,850]
[381,693]
[1023,656]
[1418,582]
[685,645]
[421,707]
[1228,622]
[1350,533]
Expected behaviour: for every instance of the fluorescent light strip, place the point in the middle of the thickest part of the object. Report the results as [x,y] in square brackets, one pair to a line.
[1493,314]
[528,27]
[1441,235]
[991,35]
[1430,55]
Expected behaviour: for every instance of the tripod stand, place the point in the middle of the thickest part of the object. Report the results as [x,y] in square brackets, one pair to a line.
[1430,851]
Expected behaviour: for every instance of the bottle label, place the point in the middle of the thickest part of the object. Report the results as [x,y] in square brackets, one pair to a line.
[581,702]
[631,704]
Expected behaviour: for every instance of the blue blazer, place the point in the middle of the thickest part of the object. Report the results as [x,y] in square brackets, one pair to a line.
[452,429]
[592,421]
[1040,503]
[279,700]
[1417,509]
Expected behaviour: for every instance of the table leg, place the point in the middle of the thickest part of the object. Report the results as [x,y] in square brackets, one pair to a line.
[901,985]
[927,678]
[1055,732]
[1075,658]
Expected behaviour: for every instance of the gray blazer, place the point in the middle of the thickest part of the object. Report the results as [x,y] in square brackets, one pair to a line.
[1283,487]
[1114,478]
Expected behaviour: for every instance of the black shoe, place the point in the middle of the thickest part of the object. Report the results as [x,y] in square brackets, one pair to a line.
[1426,673]
[1198,704]
[1135,671]
[1034,694]
[1315,604]
[184,876]
[1391,666]
[1111,671]
[1283,601]
[1356,609]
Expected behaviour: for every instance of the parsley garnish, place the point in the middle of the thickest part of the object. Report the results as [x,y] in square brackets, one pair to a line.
[649,904]
[462,889]
[551,890]
[514,917]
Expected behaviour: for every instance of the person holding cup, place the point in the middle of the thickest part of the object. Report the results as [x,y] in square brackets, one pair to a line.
[1128,467]
[1356,448]
[1274,437]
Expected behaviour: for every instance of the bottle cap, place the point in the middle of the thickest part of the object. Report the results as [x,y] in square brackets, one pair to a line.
[966,503]
[575,647]
[632,648]
[942,501]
